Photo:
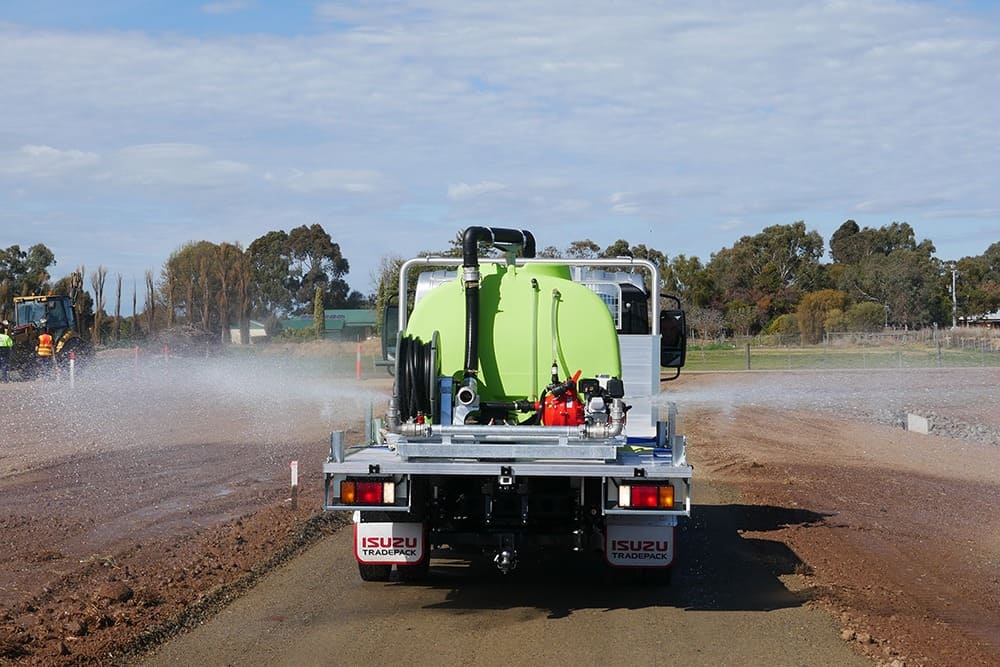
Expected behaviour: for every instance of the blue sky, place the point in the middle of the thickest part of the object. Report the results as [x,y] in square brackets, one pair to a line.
[128,128]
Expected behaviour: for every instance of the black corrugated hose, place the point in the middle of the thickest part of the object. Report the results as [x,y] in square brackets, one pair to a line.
[413,378]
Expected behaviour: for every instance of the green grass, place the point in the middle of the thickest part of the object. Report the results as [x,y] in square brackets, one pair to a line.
[339,359]
[820,357]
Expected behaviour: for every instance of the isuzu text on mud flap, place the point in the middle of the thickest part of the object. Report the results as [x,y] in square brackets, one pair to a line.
[389,543]
[527,416]
[640,546]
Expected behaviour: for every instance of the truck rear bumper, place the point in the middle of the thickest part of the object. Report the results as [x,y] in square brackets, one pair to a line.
[380,463]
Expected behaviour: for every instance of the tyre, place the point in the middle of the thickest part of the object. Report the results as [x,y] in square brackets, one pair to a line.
[374,572]
[415,572]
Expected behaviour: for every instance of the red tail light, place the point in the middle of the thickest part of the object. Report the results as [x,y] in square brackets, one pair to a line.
[358,492]
[369,493]
[646,496]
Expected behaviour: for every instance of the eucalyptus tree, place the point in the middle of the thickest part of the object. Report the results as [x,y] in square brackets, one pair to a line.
[889,267]
[23,272]
[977,283]
[770,270]
[289,266]
[188,281]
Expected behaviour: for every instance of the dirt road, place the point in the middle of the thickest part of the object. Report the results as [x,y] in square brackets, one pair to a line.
[728,605]
[145,499]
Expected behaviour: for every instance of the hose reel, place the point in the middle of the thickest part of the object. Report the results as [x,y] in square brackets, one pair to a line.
[417,368]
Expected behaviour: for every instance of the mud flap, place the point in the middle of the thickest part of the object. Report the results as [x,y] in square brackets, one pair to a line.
[640,542]
[386,543]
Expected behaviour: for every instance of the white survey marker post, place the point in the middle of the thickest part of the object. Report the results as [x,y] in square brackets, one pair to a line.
[295,484]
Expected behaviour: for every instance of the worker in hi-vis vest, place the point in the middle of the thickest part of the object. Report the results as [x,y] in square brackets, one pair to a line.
[6,345]
[44,350]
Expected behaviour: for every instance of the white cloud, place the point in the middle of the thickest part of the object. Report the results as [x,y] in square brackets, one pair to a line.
[364,14]
[46,161]
[622,203]
[174,165]
[463,191]
[358,182]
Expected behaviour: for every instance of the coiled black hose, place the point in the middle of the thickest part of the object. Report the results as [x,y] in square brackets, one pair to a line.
[414,377]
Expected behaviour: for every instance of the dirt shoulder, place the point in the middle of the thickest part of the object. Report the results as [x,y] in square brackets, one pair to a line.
[137,501]
[906,555]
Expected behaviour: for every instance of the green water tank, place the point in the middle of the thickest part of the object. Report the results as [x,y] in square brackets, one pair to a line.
[516,322]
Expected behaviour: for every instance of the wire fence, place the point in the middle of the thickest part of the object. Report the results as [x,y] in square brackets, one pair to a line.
[932,348]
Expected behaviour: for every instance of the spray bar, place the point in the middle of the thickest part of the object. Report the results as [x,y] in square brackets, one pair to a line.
[514,433]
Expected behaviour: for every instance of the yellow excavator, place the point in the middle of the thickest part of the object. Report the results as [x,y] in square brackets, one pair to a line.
[55,313]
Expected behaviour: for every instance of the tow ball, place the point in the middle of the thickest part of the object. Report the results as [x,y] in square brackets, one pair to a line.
[506,560]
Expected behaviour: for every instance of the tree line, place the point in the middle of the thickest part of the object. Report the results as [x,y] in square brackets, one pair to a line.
[773,282]
[211,287]
[776,282]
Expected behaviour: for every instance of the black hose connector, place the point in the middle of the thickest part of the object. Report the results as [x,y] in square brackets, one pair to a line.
[560,389]
[473,236]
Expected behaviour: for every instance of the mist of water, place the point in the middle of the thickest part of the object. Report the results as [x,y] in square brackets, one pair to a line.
[281,402]
[272,400]
[882,396]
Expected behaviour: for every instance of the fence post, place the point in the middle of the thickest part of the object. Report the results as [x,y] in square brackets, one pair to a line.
[748,356]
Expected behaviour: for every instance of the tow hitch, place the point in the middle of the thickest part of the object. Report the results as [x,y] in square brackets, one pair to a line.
[506,560]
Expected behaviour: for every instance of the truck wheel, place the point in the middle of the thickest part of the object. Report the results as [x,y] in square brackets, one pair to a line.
[416,571]
[374,572]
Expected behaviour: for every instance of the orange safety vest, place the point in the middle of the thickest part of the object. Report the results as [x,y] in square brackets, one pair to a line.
[45,345]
